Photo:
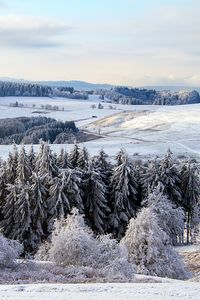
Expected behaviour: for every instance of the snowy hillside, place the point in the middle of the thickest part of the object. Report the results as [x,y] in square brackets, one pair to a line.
[140,129]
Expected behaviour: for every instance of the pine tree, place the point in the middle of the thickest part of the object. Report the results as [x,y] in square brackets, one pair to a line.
[58,205]
[3,191]
[83,159]
[95,202]
[190,187]
[8,211]
[23,172]
[31,158]
[45,162]
[166,175]
[11,165]
[39,195]
[22,230]
[123,196]
[73,188]
[74,156]
[103,165]
[63,160]
[151,177]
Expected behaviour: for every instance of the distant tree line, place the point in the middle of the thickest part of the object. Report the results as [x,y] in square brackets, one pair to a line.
[69,93]
[14,89]
[136,96]
[36,189]
[31,130]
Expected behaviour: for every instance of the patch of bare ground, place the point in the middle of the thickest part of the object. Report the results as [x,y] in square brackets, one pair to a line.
[192,260]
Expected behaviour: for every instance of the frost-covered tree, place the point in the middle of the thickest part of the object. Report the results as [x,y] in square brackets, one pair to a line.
[170,217]
[9,251]
[74,156]
[38,198]
[22,230]
[151,177]
[83,159]
[63,160]
[45,162]
[149,248]
[64,194]
[11,165]
[7,225]
[23,172]
[58,205]
[31,158]
[74,244]
[95,202]
[123,200]
[166,175]
[73,188]
[104,166]
[190,187]
[3,191]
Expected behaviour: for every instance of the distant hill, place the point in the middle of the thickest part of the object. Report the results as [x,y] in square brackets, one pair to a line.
[172,88]
[76,84]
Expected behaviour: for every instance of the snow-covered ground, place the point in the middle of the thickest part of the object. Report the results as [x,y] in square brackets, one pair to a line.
[106,291]
[142,129]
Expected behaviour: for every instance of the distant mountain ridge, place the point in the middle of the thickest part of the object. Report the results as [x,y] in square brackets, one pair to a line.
[76,84]
[83,85]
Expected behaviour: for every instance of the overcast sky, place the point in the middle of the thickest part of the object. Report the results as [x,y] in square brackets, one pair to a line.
[126,42]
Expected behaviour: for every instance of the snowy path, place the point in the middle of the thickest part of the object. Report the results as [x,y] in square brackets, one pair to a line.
[106,291]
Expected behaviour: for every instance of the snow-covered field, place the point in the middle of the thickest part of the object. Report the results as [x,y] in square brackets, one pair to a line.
[146,130]
[107,291]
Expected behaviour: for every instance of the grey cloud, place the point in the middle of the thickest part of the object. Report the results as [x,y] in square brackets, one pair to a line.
[31,32]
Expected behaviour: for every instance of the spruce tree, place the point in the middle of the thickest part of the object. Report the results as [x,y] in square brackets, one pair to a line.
[23,172]
[83,159]
[190,187]
[22,230]
[104,166]
[166,175]
[74,156]
[38,199]
[123,195]
[11,165]
[63,160]
[73,188]
[7,225]
[31,158]
[3,191]
[45,162]
[58,205]
[95,202]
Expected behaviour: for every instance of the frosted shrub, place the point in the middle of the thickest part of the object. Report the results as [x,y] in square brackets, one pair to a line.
[9,252]
[149,248]
[112,257]
[73,244]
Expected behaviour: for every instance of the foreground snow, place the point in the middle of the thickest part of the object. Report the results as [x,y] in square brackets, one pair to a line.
[106,291]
